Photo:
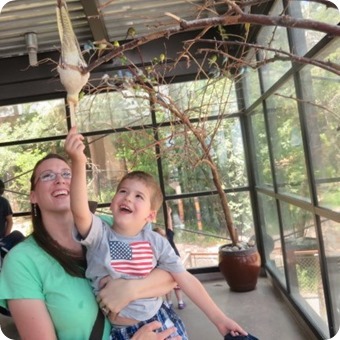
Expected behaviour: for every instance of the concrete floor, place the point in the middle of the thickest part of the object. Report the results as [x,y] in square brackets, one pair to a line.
[261,312]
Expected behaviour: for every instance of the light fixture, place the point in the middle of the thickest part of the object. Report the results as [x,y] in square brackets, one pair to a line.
[32,48]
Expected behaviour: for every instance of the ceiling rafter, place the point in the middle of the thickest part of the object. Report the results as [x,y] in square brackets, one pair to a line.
[95,19]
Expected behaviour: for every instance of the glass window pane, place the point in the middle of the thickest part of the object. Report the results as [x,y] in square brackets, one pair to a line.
[321,94]
[113,110]
[271,236]
[200,227]
[303,263]
[22,224]
[198,99]
[276,38]
[186,162]
[32,120]
[306,39]
[111,156]
[286,142]
[16,167]
[331,237]
[263,171]
[250,80]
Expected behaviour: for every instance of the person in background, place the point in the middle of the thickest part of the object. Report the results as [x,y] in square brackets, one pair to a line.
[8,238]
[6,214]
[43,282]
[169,234]
[130,249]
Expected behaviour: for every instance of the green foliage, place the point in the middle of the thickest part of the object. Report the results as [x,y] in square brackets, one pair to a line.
[32,120]
[307,278]
[137,151]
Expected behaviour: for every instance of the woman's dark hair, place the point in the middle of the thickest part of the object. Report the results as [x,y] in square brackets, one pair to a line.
[71,262]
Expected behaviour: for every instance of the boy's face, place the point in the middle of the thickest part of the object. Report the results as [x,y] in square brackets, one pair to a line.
[131,205]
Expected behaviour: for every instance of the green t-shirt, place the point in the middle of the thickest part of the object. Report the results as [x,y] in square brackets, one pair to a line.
[106,218]
[30,273]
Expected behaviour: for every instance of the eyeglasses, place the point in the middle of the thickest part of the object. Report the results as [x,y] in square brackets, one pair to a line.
[49,175]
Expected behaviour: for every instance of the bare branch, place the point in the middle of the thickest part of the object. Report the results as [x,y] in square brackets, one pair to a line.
[328,65]
[310,103]
[226,20]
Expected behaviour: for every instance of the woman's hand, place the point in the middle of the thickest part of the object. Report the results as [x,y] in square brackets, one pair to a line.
[147,332]
[114,295]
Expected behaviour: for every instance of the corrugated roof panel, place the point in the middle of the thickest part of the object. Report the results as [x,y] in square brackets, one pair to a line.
[145,16]
[22,16]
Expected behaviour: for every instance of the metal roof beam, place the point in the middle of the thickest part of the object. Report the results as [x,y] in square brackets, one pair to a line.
[95,20]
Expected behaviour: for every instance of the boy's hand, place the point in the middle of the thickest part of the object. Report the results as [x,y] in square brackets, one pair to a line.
[74,145]
[230,326]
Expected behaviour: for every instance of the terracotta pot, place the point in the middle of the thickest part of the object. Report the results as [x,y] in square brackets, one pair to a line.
[240,268]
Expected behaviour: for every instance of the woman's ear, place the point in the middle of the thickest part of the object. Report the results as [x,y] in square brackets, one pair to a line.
[32,197]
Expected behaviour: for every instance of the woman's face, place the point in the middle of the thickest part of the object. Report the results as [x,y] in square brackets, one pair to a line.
[52,186]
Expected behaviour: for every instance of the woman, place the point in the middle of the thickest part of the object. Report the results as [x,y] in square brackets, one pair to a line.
[42,281]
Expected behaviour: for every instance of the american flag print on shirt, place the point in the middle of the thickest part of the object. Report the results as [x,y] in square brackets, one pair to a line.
[133,259]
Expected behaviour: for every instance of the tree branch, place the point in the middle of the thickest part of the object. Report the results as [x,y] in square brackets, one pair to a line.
[326,65]
[226,20]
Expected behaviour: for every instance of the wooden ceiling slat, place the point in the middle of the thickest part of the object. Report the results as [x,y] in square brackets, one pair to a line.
[95,20]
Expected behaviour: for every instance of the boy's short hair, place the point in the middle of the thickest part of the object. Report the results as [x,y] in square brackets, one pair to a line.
[149,180]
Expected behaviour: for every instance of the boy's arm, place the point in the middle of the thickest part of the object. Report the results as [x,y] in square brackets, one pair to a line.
[196,292]
[74,147]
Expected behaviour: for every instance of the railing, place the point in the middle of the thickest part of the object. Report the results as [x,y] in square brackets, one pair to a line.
[195,259]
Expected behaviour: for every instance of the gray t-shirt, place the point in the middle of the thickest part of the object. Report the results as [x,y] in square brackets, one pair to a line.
[109,253]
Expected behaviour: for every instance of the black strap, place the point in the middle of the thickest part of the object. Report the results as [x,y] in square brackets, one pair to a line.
[98,327]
